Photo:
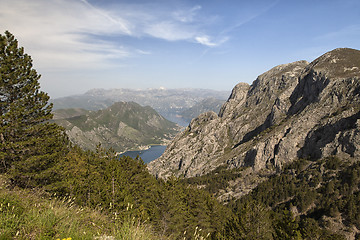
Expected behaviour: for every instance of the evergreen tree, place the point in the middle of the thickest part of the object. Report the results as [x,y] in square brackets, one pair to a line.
[29,144]
[287,227]
[252,221]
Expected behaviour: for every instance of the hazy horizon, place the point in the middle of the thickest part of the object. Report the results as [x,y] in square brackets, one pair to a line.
[139,89]
[78,45]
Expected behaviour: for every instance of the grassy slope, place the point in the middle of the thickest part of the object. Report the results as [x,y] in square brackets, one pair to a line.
[30,215]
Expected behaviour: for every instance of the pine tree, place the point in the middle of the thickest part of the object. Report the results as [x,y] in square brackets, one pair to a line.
[252,221]
[287,227]
[29,144]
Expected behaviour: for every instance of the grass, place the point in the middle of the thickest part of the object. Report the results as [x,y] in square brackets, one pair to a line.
[33,214]
[27,215]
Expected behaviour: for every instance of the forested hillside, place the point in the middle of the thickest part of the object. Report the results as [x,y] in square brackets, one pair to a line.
[305,200]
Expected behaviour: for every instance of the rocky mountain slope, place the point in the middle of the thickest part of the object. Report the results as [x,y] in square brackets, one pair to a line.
[170,103]
[122,126]
[295,110]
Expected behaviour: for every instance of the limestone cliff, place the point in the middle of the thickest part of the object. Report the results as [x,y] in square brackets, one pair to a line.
[295,110]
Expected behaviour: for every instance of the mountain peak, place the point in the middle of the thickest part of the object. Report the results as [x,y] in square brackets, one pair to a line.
[338,63]
[288,70]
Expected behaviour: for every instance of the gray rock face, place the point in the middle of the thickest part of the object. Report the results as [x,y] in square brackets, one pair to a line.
[295,110]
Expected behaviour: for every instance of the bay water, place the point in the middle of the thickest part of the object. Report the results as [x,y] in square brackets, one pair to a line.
[148,155]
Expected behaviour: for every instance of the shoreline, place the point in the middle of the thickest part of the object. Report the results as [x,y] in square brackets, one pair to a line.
[140,148]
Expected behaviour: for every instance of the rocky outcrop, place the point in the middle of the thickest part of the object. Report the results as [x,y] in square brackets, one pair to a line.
[295,110]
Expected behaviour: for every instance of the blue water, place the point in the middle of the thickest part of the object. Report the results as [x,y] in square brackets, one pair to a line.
[148,155]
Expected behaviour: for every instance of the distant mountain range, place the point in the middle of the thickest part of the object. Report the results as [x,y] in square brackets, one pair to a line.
[170,103]
[122,126]
[209,104]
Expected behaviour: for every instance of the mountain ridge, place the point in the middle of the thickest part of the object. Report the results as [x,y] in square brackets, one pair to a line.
[289,112]
[170,103]
[122,126]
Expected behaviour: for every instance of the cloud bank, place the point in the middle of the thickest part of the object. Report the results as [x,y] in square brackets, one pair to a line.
[69,34]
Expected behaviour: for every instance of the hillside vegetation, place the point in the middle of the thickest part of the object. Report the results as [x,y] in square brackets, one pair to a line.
[305,200]
[31,214]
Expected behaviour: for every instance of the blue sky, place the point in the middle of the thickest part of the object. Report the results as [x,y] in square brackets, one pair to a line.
[77,45]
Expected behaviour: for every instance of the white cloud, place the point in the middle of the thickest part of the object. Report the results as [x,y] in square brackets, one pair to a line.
[118,24]
[59,34]
[143,52]
[205,40]
[186,16]
[170,31]
[74,34]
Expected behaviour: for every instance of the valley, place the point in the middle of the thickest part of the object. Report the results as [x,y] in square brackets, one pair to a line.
[173,104]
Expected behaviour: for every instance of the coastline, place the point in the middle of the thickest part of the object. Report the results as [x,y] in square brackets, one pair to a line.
[147,155]
[140,148]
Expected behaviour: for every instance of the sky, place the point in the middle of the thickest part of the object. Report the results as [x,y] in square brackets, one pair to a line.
[77,45]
